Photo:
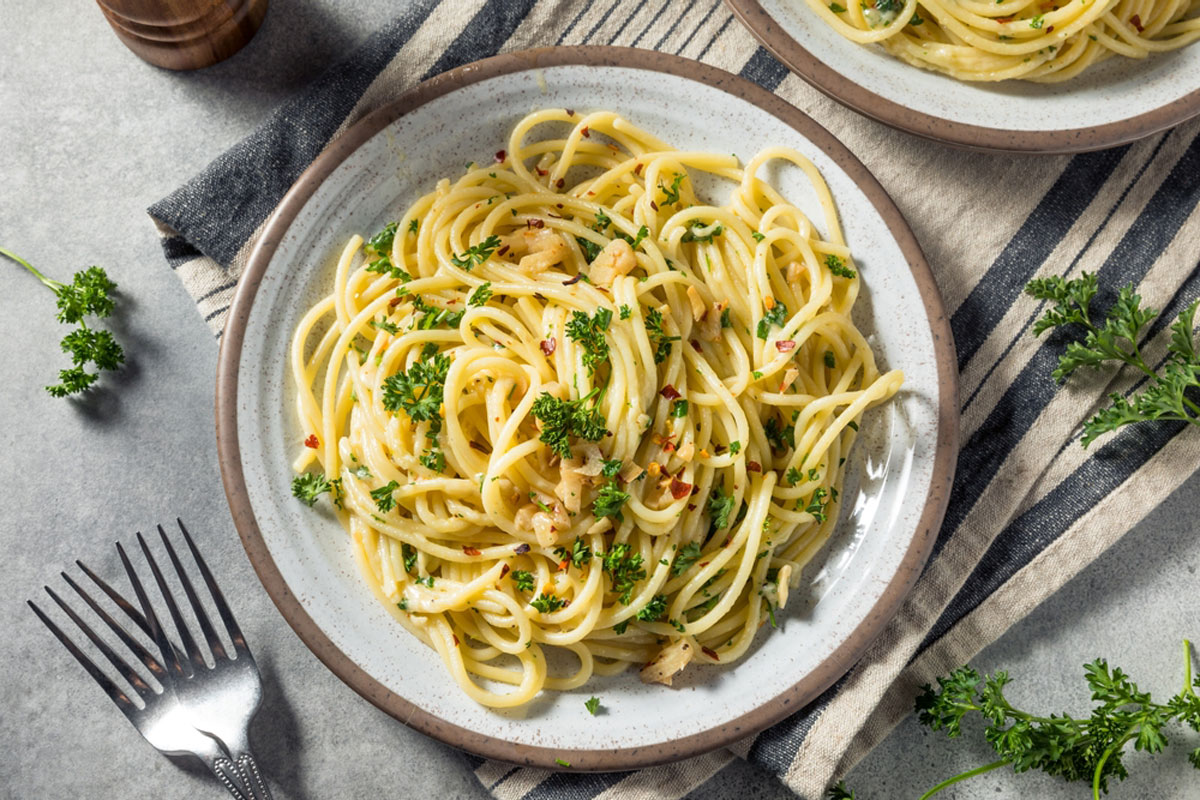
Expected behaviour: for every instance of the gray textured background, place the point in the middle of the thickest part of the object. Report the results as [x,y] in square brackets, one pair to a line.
[89,136]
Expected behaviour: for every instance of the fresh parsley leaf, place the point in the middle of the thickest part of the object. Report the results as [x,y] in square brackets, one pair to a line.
[309,486]
[689,554]
[1172,393]
[482,293]
[409,554]
[432,316]
[626,312]
[385,501]
[838,266]
[671,196]
[625,569]
[610,467]
[381,243]
[384,266]
[523,580]
[720,507]
[88,294]
[562,419]
[735,447]
[419,390]
[590,249]
[679,408]
[793,476]
[830,361]
[1037,21]
[653,610]
[433,459]
[699,231]
[588,332]
[758,237]
[609,501]
[579,554]
[592,704]
[658,338]
[383,325]
[816,505]
[476,254]
[776,316]
[547,603]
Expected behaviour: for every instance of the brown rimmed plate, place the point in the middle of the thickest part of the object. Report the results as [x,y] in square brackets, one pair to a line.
[900,472]
[1115,102]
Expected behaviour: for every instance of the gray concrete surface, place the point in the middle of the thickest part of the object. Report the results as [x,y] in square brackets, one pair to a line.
[89,136]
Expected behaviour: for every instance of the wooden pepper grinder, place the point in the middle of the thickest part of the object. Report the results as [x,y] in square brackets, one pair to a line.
[184,34]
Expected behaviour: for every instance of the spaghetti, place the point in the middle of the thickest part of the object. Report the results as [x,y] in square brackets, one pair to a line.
[571,406]
[1044,41]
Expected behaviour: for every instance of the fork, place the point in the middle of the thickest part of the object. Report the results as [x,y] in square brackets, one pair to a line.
[190,708]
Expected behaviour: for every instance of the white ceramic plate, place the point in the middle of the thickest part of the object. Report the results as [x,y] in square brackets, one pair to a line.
[902,468]
[1114,102]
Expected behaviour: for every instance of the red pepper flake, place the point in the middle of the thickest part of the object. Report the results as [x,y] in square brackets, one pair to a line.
[668,447]
[703,564]
[573,281]
[669,392]
[691,506]
[552,215]
[679,489]
[471,551]
[395,301]
[566,603]
[540,171]
[560,183]
[753,466]
[504,570]
[654,205]
[638,169]
[502,250]
[586,133]
[521,548]
[725,543]
[785,345]
[563,564]
[570,113]
[710,653]
[549,345]
[537,223]
[695,490]
[1051,28]
[500,156]
[312,441]
[1005,19]
[455,639]
[720,448]
[658,438]
[695,345]
[1135,21]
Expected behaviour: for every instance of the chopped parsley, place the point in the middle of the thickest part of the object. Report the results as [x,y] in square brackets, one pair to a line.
[654,609]
[776,316]
[838,266]
[1037,21]
[579,554]
[361,472]
[698,231]
[609,501]
[720,507]
[793,476]
[383,325]
[562,419]
[410,556]
[588,332]
[658,338]
[837,8]
[634,241]
[679,408]
[592,704]
[385,501]
[735,447]
[476,254]
[671,196]
[817,505]
[625,569]
[427,581]
[590,248]
[626,312]
[523,580]
[687,556]
[432,316]
[413,225]
[610,467]
[780,436]
[419,390]
[381,243]
[547,603]
[830,361]
[309,486]
[433,459]
[384,266]
[482,293]
[758,237]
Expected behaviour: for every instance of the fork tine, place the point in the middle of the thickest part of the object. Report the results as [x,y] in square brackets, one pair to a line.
[214,641]
[235,633]
[155,668]
[185,634]
[116,597]
[170,656]
[127,672]
[119,697]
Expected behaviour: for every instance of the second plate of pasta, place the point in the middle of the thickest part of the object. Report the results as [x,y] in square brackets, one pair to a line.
[587,404]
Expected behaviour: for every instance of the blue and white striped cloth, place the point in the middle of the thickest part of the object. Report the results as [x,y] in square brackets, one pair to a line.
[1029,508]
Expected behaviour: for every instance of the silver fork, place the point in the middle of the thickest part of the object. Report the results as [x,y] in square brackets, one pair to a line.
[190,708]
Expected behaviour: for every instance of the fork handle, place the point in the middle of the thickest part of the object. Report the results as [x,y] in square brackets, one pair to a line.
[241,777]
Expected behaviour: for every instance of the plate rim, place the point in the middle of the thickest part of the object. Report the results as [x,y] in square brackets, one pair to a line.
[838,663]
[800,61]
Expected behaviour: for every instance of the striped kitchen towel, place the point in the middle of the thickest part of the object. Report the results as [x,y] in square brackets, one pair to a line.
[1029,507]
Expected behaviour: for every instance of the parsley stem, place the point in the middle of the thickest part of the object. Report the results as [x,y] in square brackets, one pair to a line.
[963,776]
[1187,669]
[52,284]
[1115,747]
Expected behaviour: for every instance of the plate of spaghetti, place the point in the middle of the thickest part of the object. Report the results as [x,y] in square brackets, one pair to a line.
[1052,76]
[575,428]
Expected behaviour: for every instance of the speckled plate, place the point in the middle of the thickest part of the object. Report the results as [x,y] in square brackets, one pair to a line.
[901,470]
[1114,102]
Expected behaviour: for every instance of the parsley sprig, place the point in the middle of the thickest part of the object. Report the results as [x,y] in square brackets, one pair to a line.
[658,337]
[1086,749]
[625,569]
[476,254]
[562,419]
[88,294]
[1172,394]
[588,333]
